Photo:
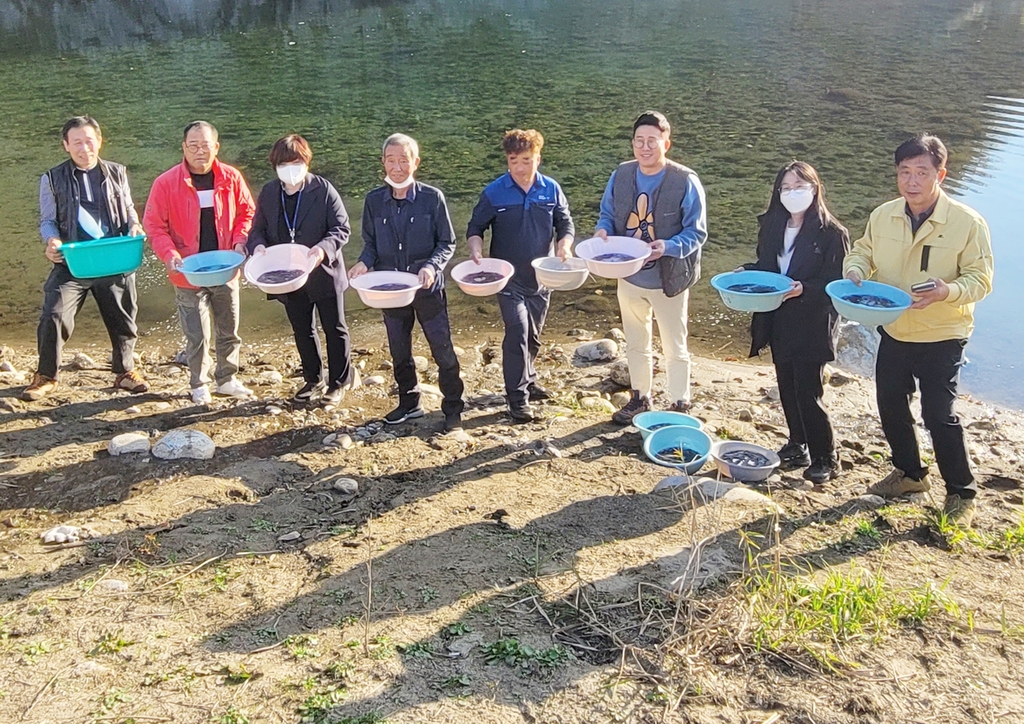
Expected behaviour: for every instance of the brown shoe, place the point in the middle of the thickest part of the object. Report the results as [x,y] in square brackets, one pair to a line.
[41,386]
[634,407]
[133,381]
[959,511]
[896,483]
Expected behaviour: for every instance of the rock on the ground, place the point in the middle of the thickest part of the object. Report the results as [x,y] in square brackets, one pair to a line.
[114,585]
[704,490]
[618,372]
[82,361]
[598,404]
[432,390]
[856,349]
[356,381]
[870,501]
[344,441]
[346,486]
[128,442]
[289,537]
[616,334]
[179,444]
[6,366]
[271,377]
[600,350]
[421,363]
[61,534]
[620,399]
[274,410]
[373,381]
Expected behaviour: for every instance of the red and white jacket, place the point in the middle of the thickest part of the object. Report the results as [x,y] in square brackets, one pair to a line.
[171,220]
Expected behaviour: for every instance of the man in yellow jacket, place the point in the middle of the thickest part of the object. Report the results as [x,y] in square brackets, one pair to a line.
[925,238]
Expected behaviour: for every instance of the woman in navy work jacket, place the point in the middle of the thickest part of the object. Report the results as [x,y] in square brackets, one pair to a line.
[303,208]
[799,237]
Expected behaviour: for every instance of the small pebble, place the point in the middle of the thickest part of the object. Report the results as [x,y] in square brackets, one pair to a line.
[274,410]
[289,537]
[346,486]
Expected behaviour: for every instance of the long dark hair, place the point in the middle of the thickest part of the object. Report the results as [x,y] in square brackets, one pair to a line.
[772,222]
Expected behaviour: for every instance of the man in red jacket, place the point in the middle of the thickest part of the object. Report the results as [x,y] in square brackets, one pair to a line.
[202,205]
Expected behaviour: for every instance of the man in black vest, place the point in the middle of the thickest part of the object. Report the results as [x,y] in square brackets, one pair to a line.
[661,202]
[85,198]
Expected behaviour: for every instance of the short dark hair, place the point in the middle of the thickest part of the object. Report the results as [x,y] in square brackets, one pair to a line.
[653,118]
[289,149]
[81,122]
[923,145]
[200,124]
[519,141]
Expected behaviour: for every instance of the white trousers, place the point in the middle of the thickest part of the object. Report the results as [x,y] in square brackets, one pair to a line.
[636,306]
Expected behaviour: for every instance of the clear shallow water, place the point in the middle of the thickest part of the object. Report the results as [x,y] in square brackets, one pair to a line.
[748,84]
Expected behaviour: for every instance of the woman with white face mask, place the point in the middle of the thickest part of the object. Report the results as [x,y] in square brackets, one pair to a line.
[800,238]
[299,207]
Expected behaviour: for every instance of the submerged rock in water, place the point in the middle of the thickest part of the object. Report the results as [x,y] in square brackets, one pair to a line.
[179,444]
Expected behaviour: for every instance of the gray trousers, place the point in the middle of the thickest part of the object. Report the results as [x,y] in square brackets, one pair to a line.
[195,307]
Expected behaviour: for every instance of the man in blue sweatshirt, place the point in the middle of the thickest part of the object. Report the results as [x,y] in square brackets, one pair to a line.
[526,211]
[661,202]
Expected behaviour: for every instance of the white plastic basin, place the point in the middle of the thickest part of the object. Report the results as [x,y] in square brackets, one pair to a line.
[499,266]
[561,276]
[280,257]
[381,299]
[589,249]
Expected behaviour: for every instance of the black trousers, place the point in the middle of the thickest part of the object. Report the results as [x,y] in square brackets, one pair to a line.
[431,309]
[331,311]
[523,315]
[935,366]
[800,391]
[64,295]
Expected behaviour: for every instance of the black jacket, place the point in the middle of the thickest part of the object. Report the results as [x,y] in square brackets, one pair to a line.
[806,326]
[427,236]
[322,221]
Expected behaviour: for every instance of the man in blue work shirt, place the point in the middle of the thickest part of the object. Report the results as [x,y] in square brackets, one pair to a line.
[661,202]
[525,211]
[406,227]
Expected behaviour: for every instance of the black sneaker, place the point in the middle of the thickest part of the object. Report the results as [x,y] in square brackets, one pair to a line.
[333,396]
[309,390]
[521,413]
[794,455]
[401,414]
[452,422]
[822,470]
[634,407]
[537,392]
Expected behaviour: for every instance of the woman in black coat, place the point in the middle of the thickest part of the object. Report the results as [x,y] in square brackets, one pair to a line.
[303,208]
[800,238]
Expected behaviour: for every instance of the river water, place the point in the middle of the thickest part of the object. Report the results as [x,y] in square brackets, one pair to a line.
[748,84]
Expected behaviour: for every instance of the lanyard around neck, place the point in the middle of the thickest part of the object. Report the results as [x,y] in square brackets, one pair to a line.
[293,222]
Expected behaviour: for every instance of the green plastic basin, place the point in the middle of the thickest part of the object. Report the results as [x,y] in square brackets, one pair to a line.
[103,257]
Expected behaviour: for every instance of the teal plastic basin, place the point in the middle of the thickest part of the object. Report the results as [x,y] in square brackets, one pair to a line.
[103,257]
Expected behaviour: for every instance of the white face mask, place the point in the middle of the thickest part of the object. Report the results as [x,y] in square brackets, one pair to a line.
[797,201]
[292,173]
[396,185]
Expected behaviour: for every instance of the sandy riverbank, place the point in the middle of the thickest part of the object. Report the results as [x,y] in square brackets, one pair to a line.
[510,573]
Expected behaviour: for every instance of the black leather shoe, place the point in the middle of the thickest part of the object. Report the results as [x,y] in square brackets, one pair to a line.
[452,422]
[822,470]
[794,456]
[521,413]
[537,392]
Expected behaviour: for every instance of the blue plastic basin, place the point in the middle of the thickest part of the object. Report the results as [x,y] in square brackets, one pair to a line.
[679,436]
[645,421]
[752,301]
[226,261]
[868,316]
[108,257]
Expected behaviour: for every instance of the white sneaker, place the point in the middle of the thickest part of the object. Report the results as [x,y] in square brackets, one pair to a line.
[201,395]
[233,388]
